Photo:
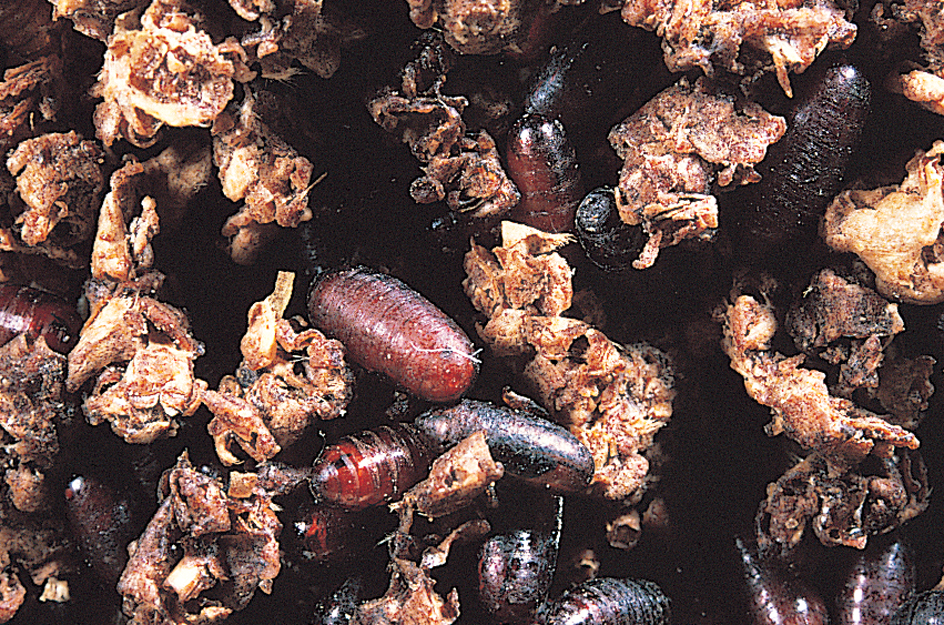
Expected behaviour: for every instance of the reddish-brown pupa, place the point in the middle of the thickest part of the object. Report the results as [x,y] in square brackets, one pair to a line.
[372,467]
[543,165]
[103,522]
[388,327]
[36,313]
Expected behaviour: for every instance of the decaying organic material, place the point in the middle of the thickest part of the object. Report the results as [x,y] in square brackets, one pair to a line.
[410,600]
[161,70]
[674,149]
[845,324]
[261,169]
[456,478]
[896,231]
[799,399]
[59,180]
[614,399]
[464,170]
[706,33]
[26,90]
[32,545]
[141,353]
[306,31]
[832,489]
[94,18]
[202,537]
[269,404]
[846,507]
[31,407]
[478,26]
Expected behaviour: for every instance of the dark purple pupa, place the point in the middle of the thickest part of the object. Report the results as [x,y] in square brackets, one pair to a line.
[803,172]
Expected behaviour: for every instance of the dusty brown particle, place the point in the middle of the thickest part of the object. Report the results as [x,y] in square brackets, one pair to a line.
[613,398]
[709,33]
[674,149]
[278,403]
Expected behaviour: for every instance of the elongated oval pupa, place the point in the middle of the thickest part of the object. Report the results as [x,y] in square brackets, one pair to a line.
[103,522]
[388,327]
[879,581]
[543,165]
[610,601]
[803,172]
[372,467]
[528,446]
[773,596]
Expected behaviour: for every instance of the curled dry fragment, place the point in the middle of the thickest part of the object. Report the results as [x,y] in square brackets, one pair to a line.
[201,538]
[464,170]
[844,499]
[306,31]
[896,231]
[163,70]
[846,324]
[141,196]
[34,545]
[455,478]
[843,433]
[614,399]
[94,18]
[261,169]
[26,90]
[142,353]
[478,26]
[32,383]
[845,507]
[286,380]
[59,179]
[674,149]
[706,33]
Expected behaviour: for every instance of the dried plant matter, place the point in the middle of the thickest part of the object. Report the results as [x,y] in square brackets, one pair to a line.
[455,478]
[709,33]
[202,537]
[477,26]
[34,545]
[31,407]
[464,170]
[141,353]
[613,399]
[844,507]
[31,88]
[270,403]
[261,169]
[799,399]
[674,149]
[846,324]
[896,231]
[59,179]
[163,70]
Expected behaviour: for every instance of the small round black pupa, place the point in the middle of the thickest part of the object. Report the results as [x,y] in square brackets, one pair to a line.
[609,243]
